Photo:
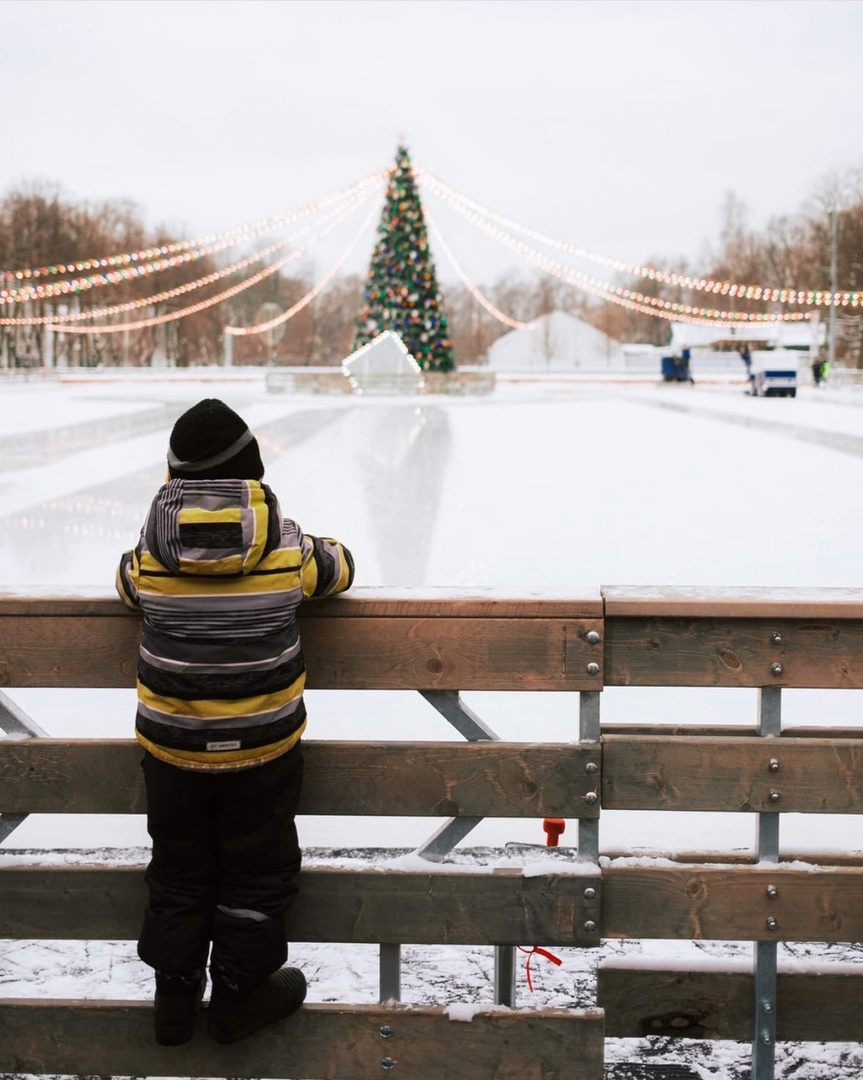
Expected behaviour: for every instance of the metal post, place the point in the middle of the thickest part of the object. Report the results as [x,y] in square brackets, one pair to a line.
[390,972]
[834,254]
[228,340]
[767,844]
[588,731]
[504,975]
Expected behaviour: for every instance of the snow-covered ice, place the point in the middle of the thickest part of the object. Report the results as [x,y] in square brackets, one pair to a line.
[553,484]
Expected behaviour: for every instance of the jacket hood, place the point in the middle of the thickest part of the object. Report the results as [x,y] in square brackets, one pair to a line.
[212,527]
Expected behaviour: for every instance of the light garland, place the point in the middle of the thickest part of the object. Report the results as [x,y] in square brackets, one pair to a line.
[173,316]
[189,251]
[482,300]
[260,328]
[766,293]
[179,290]
[617,294]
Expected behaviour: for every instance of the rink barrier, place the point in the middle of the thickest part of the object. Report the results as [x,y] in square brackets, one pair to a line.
[441,644]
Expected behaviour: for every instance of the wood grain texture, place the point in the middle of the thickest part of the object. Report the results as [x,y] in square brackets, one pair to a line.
[688,903]
[328,1042]
[726,651]
[458,907]
[53,776]
[731,773]
[718,1004]
[444,649]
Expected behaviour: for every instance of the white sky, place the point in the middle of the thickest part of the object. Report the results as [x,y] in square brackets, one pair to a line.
[615,125]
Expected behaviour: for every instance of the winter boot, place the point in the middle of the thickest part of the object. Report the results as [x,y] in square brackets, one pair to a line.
[177,1000]
[234,1014]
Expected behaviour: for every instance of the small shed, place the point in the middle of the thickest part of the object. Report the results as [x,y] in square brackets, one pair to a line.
[557,342]
[384,365]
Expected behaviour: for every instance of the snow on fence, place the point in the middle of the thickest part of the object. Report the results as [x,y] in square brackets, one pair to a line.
[440,644]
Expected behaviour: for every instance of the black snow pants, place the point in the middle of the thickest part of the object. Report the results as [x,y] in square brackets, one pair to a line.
[225,857]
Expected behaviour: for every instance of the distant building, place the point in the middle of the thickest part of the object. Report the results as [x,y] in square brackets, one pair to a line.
[559,342]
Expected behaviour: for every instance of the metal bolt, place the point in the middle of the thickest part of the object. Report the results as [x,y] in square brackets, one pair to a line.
[591,798]
[388,1063]
[772,891]
[592,637]
[590,926]
[775,795]
[771,923]
[386,1031]
[776,669]
[590,893]
[767,1006]
[776,638]
[766,1038]
[773,764]
[593,669]
[591,768]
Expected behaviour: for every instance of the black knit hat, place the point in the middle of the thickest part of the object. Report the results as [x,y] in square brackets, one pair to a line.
[211,442]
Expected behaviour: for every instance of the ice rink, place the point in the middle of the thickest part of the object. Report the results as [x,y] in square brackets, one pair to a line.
[546,484]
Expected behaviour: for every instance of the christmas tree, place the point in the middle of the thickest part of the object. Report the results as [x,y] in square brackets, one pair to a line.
[401,292]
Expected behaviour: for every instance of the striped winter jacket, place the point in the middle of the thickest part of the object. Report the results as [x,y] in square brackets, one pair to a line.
[219,576]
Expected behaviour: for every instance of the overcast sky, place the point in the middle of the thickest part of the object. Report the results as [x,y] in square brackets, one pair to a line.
[618,126]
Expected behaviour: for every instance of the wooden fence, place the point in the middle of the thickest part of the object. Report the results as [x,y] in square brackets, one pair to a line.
[441,645]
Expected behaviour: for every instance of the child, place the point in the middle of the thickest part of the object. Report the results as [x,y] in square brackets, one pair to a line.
[218,576]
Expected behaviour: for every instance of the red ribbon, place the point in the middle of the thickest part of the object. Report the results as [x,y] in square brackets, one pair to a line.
[542,952]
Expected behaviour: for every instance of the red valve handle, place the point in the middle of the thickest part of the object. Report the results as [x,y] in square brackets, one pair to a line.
[553,827]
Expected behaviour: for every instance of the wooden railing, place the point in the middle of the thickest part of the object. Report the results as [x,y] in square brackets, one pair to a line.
[441,645]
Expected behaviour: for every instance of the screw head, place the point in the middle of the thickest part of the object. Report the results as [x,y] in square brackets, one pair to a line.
[771,923]
[591,768]
[776,638]
[775,795]
[592,637]
[773,764]
[388,1063]
[590,926]
[772,891]
[591,798]
[590,893]
[593,669]
[776,669]
[386,1031]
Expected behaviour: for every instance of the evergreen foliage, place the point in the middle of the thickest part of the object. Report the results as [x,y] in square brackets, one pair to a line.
[401,291]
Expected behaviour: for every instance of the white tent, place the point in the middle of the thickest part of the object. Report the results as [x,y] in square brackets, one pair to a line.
[558,342]
[383,364]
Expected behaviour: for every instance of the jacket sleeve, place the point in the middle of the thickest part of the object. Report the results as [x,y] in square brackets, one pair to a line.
[328,566]
[127,577]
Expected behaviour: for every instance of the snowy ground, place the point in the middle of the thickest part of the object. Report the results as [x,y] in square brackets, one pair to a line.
[592,483]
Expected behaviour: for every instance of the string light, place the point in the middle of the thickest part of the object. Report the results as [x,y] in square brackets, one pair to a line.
[766,293]
[260,328]
[173,316]
[617,294]
[165,258]
[469,285]
[180,290]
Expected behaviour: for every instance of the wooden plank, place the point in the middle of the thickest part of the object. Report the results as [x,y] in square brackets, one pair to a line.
[52,776]
[458,907]
[371,652]
[736,601]
[726,651]
[458,653]
[716,1004]
[732,903]
[327,1042]
[360,602]
[807,776]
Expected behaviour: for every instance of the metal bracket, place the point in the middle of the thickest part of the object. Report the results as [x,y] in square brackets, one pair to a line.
[17,724]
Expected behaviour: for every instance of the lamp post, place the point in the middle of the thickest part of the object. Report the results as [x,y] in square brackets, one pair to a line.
[831,333]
